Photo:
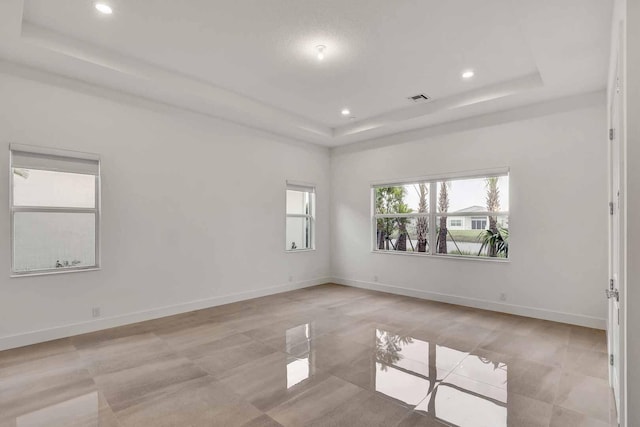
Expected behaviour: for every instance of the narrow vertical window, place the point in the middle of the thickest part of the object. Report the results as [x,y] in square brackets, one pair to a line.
[300,226]
[55,210]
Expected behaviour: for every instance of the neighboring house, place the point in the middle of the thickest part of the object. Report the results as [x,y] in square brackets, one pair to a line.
[470,222]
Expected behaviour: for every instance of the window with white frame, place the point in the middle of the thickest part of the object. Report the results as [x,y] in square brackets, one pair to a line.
[411,216]
[456,223]
[478,223]
[55,210]
[300,223]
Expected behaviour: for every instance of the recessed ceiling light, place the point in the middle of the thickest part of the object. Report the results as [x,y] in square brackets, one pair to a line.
[345,112]
[468,74]
[104,8]
[321,48]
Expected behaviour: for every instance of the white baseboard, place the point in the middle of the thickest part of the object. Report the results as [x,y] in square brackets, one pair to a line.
[520,310]
[43,335]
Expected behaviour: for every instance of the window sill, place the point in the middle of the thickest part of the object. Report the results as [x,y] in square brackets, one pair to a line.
[451,257]
[52,272]
[292,251]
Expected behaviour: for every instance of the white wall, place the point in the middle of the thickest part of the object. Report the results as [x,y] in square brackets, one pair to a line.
[558,174]
[193,211]
[189,202]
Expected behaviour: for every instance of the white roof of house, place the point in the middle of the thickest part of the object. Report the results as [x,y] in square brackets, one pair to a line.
[472,209]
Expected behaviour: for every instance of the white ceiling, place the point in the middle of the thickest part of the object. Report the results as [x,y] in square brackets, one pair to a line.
[253,61]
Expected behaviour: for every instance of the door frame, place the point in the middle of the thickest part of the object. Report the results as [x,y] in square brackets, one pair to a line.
[616,87]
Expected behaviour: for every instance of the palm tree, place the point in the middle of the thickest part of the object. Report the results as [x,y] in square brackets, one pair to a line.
[401,242]
[389,348]
[443,207]
[388,201]
[493,205]
[380,223]
[498,240]
[422,223]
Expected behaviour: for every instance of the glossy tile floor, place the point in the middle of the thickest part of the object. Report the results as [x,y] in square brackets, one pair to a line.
[322,356]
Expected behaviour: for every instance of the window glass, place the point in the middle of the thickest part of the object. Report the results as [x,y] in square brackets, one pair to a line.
[53,240]
[299,228]
[298,233]
[54,210]
[402,234]
[476,240]
[33,187]
[469,216]
[469,195]
[298,202]
[479,223]
[409,198]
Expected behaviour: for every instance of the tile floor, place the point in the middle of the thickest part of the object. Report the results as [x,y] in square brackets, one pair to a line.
[322,356]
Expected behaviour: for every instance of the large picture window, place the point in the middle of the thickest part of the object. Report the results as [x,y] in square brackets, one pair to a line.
[300,217]
[55,210]
[454,215]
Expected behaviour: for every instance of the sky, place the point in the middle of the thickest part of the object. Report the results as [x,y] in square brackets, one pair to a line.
[463,194]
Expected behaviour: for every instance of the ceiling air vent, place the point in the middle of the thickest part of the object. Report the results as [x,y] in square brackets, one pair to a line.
[421,97]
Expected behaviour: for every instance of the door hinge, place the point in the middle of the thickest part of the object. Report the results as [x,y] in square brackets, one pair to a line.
[612,133]
[610,208]
[612,293]
[611,359]
[611,284]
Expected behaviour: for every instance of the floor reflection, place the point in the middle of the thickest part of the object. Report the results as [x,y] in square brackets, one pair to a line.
[434,380]
[402,367]
[439,381]
[298,341]
[484,405]
[81,411]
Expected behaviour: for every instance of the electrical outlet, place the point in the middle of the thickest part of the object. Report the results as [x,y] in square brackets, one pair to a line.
[95,312]
[375,279]
[503,296]
[291,278]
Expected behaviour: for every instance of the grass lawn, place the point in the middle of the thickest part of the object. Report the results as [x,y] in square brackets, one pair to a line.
[470,236]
